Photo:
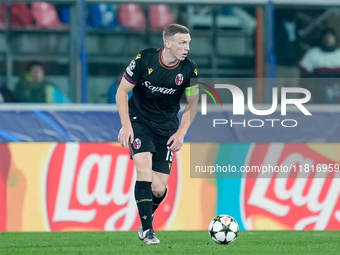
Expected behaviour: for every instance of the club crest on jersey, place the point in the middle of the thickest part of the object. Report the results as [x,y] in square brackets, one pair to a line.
[137,143]
[179,79]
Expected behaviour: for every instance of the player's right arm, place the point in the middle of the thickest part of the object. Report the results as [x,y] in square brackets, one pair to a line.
[126,133]
[130,79]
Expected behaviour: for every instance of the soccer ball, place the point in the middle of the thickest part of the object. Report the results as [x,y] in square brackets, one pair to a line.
[223,229]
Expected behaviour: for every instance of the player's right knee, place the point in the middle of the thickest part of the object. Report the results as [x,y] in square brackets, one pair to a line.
[144,174]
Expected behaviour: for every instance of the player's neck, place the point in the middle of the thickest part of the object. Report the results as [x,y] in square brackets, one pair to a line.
[168,58]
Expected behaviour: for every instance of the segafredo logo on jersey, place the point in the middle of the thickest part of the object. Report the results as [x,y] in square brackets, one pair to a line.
[163,90]
[238,105]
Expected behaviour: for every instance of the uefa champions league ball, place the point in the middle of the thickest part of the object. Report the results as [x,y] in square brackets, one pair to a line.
[223,229]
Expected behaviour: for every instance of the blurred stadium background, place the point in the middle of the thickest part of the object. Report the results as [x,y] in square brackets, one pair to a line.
[52,155]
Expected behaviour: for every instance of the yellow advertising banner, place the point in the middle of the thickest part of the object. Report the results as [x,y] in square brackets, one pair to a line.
[90,186]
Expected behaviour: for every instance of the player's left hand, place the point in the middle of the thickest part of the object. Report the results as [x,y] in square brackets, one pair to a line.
[175,142]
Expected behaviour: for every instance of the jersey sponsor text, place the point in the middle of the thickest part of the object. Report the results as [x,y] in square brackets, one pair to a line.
[163,90]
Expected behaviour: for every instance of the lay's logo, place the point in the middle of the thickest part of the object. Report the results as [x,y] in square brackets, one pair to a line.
[288,200]
[91,187]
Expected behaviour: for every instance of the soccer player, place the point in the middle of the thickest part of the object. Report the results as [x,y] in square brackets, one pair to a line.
[150,126]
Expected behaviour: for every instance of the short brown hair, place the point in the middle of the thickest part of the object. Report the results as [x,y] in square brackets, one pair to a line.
[173,29]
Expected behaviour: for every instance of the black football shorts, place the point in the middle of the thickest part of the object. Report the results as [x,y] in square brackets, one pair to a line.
[145,140]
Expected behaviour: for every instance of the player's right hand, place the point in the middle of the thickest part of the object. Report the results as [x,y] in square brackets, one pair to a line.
[125,136]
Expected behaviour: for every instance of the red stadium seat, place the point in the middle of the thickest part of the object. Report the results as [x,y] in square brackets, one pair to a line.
[160,17]
[21,15]
[46,16]
[131,16]
[3,15]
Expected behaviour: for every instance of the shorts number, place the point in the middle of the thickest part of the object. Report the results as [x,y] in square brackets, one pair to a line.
[169,156]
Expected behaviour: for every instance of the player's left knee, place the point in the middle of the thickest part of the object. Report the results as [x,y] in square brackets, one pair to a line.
[158,190]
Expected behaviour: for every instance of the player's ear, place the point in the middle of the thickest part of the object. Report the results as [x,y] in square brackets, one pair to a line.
[167,44]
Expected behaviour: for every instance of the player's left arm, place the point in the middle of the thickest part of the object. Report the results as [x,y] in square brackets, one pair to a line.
[177,139]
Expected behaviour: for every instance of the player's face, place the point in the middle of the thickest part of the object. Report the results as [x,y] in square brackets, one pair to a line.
[180,46]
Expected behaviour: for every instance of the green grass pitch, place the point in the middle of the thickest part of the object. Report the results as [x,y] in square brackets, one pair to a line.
[172,242]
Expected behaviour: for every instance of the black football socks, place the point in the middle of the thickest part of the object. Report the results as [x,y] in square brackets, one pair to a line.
[143,196]
[157,200]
